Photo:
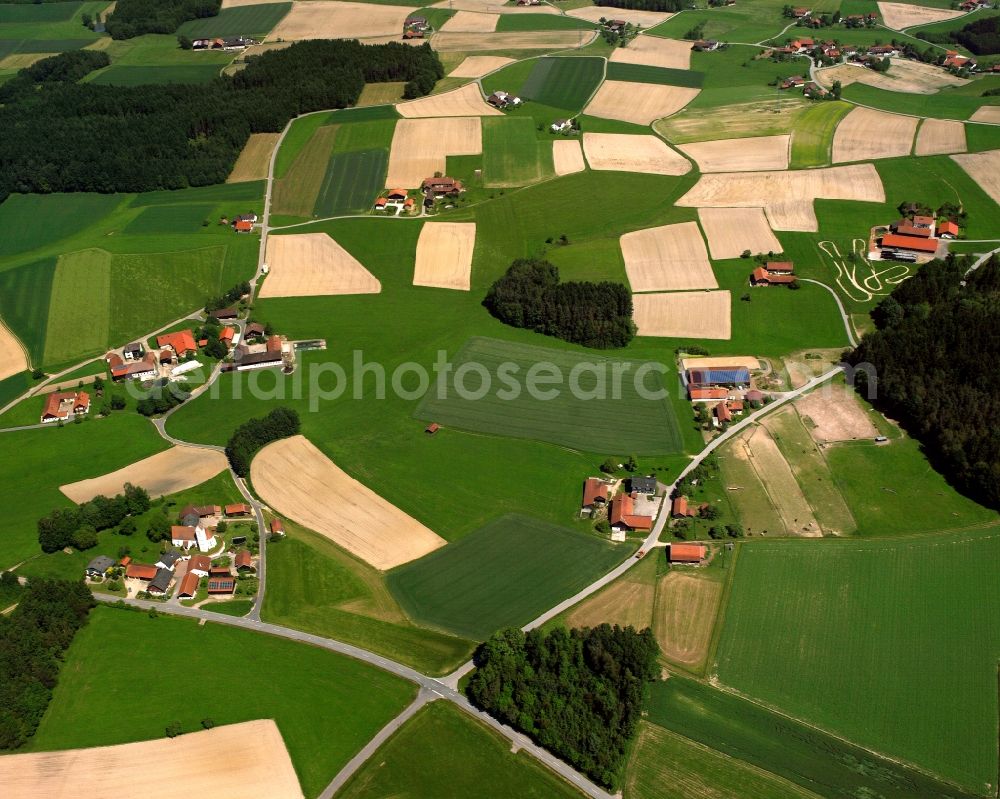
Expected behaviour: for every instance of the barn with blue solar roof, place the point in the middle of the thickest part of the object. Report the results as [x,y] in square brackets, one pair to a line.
[720,376]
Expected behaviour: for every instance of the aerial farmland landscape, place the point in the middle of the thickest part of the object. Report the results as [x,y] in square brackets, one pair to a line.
[507,398]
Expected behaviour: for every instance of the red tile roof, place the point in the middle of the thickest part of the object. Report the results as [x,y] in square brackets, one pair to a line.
[274,344]
[243,559]
[622,513]
[181,341]
[707,393]
[593,489]
[80,400]
[780,266]
[200,562]
[226,334]
[948,227]
[243,226]
[761,275]
[687,553]
[113,359]
[277,526]
[189,585]
[181,533]
[909,243]
[681,507]
[140,571]
[722,412]
[239,509]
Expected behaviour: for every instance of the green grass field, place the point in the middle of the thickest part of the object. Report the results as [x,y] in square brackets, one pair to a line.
[129,75]
[513,155]
[326,706]
[813,134]
[502,575]
[38,12]
[239,21]
[79,313]
[638,73]
[351,183]
[413,763]
[563,82]
[30,221]
[894,644]
[512,23]
[170,219]
[24,303]
[297,191]
[944,104]
[593,420]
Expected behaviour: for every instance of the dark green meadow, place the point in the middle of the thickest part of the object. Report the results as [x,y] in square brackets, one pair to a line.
[352,181]
[512,23]
[639,73]
[239,21]
[563,82]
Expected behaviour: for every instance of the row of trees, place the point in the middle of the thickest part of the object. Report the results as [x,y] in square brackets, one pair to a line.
[256,433]
[78,527]
[934,354]
[33,639]
[228,299]
[136,17]
[530,296]
[86,137]
[577,693]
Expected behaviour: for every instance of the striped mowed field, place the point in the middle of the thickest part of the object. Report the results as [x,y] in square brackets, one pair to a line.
[512,153]
[79,310]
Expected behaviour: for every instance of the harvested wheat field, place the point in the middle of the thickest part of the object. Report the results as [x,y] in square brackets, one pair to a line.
[625,152]
[667,258]
[908,77]
[494,7]
[711,361]
[300,482]
[337,19]
[988,113]
[740,155]
[731,231]
[164,473]
[237,3]
[466,101]
[475,66]
[654,51]
[684,616]
[865,134]
[641,103]
[123,771]
[567,157]
[12,357]
[797,188]
[444,255]
[627,601]
[419,147]
[833,413]
[445,42]
[255,159]
[311,265]
[687,314]
[22,60]
[940,137]
[645,19]
[903,15]
[471,22]
[984,168]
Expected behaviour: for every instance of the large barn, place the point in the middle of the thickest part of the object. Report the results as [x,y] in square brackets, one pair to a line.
[720,376]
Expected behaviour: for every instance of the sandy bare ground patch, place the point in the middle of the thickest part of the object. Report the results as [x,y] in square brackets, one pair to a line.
[300,482]
[494,7]
[445,42]
[984,168]
[466,101]
[628,601]
[475,66]
[740,155]
[640,103]
[687,314]
[903,15]
[336,19]
[237,3]
[988,113]
[654,51]
[908,77]
[255,158]
[645,19]
[786,196]
[730,231]
[164,473]
[865,134]
[567,157]
[720,360]
[471,22]
[22,60]
[444,255]
[667,258]
[758,118]
[12,356]
[313,264]
[684,616]
[835,414]
[123,770]
[625,152]
[419,147]
[940,137]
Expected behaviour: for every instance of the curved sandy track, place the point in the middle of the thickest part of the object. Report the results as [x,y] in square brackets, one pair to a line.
[444,255]
[567,157]
[740,155]
[641,103]
[866,134]
[667,258]
[654,51]
[313,264]
[13,359]
[625,152]
[466,101]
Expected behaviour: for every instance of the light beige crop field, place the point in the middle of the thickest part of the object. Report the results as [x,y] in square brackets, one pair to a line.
[687,606]
[625,152]
[296,479]
[627,601]
[667,258]
[835,415]
[22,60]
[685,314]
[654,51]
[475,66]
[123,771]
[903,15]
[444,255]
[909,77]
[865,134]
[647,19]
[720,360]
[940,137]
[471,22]
[988,113]
[465,101]
[337,19]
[311,265]
[493,7]
[445,42]
[730,231]
[567,157]
[419,147]
[12,357]
[640,103]
[797,190]
[255,158]
[740,155]
[164,473]
[984,168]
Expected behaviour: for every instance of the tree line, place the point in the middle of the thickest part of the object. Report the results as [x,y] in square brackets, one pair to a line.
[578,693]
[78,527]
[529,295]
[85,137]
[33,639]
[136,17]
[934,352]
[981,37]
[254,434]
[643,5]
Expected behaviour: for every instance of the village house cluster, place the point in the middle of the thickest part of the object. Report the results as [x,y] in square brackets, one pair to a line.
[63,406]
[399,201]
[216,43]
[728,389]
[629,506]
[773,273]
[915,236]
